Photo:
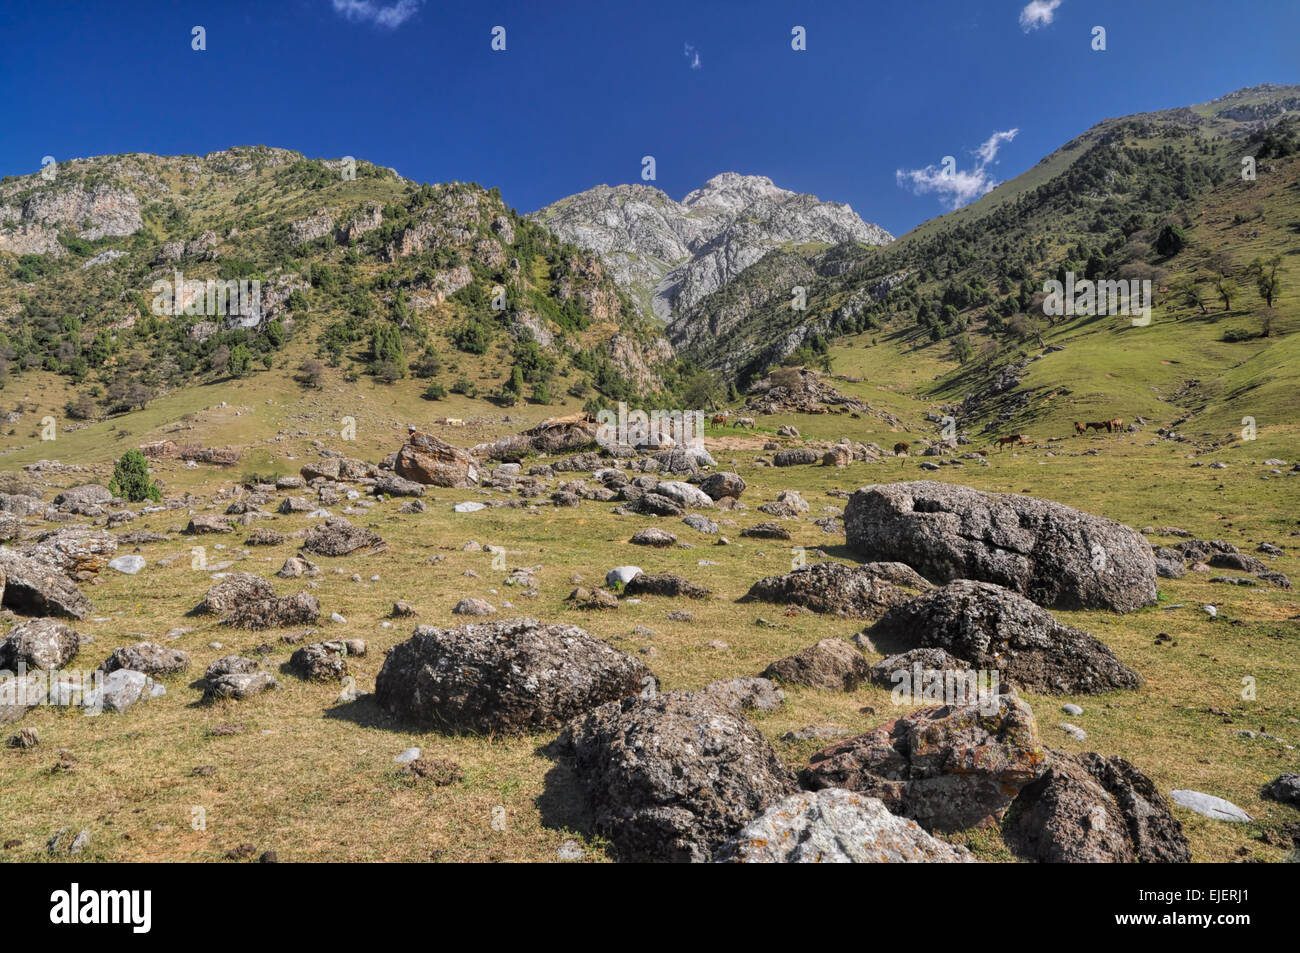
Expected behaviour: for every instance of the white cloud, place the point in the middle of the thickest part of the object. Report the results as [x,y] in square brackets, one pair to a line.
[391,15]
[1038,13]
[693,55]
[956,188]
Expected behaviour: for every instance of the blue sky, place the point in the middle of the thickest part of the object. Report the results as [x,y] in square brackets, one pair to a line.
[585,89]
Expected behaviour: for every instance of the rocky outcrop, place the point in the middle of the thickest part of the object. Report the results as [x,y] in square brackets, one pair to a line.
[990,627]
[1057,556]
[671,777]
[508,677]
[338,537]
[1092,809]
[426,459]
[669,255]
[834,826]
[948,768]
[45,644]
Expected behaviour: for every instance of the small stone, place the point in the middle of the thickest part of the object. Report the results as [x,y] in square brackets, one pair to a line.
[1072,709]
[130,565]
[570,850]
[1075,732]
[407,756]
[1210,806]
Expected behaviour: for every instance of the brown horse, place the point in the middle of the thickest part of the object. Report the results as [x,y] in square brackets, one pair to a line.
[719,420]
[901,447]
[1079,428]
[1016,438]
[1098,425]
[1116,424]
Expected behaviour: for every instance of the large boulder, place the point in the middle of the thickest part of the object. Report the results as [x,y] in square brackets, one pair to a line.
[426,459]
[1087,808]
[672,777]
[831,663]
[237,677]
[76,551]
[45,644]
[858,592]
[947,768]
[509,677]
[723,484]
[338,537]
[834,826]
[34,587]
[994,628]
[1057,556]
[238,588]
[301,608]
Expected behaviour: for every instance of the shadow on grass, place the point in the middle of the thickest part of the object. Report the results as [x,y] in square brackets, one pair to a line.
[562,803]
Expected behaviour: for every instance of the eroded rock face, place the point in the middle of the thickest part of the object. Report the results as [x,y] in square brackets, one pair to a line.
[671,778]
[1088,808]
[1057,556]
[990,627]
[857,592]
[948,768]
[834,826]
[995,628]
[831,663]
[510,677]
[45,644]
[34,587]
[426,459]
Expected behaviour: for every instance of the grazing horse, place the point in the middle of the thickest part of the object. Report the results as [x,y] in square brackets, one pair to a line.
[744,422]
[901,447]
[1079,428]
[1017,438]
[1098,425]
[1116,424]
[719,420]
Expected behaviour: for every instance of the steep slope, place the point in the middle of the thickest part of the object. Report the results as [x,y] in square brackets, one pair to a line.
[669,255]
[1158,197]
[105,265]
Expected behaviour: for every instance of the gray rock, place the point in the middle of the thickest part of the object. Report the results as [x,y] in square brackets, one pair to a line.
[1087,808]
[653,537]
[1285,788]
[671,777]
[948,768]
[1210,806]
[857,592]
[148,658]
[235,589]
[994,628]
[122,689]
[621,575]
[510,676]
[834,826]
[35,588]
[338,537]
[746,693]
[831,663]
[46,644]
[701,523]
[130,565]
[1041,549]
[474,606]
[320,661]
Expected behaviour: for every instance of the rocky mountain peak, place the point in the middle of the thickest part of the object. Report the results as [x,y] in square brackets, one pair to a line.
[668,255]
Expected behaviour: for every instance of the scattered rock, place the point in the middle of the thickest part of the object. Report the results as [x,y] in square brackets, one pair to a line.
[857,592]
[831,664]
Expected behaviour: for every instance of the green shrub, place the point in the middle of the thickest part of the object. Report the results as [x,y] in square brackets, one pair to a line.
[131,479]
